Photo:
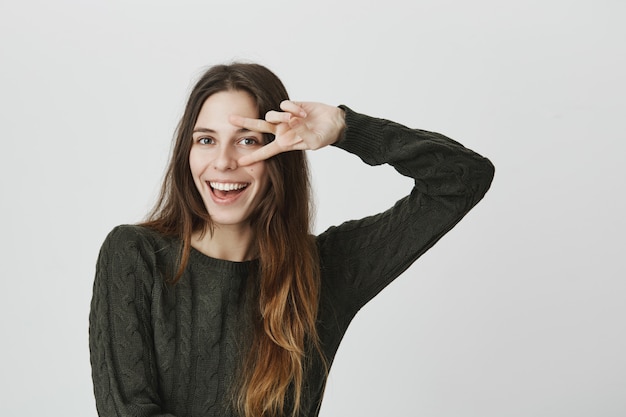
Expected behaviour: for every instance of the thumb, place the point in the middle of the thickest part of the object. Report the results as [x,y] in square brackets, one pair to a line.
[311,138]
[299,128]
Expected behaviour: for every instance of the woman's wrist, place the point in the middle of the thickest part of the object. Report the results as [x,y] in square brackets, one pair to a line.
[339,121]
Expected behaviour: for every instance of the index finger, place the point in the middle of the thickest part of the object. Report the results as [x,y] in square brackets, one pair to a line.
[263,153]
[255,125]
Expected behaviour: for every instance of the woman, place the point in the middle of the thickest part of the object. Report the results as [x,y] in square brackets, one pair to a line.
[222,303]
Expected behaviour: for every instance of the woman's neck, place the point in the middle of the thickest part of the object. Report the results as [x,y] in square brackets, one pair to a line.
[228,243]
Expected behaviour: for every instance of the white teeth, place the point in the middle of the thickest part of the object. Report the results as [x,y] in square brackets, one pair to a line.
[227,186]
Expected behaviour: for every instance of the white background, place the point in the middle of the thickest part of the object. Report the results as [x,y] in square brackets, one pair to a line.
[519,311]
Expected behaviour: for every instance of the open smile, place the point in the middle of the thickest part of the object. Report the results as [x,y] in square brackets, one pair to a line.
[226,192]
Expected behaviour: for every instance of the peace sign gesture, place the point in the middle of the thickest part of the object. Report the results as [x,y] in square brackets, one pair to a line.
[299,126]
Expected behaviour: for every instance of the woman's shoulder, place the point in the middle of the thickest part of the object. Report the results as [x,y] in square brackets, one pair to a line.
[136,238]
[132,248]
[133,234]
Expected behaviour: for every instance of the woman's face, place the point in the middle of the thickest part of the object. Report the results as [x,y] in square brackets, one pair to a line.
[230,192]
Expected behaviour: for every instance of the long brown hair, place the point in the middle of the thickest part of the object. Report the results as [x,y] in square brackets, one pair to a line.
[285,335]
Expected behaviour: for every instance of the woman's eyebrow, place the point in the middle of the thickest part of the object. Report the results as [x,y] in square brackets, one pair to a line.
[207,130]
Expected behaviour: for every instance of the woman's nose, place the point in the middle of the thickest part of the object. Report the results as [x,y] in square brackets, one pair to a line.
[226,159]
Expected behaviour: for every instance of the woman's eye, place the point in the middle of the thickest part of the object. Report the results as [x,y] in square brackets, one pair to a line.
[248,141]
[205,141]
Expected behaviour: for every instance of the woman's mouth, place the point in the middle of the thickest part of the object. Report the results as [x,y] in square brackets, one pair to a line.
[227,190]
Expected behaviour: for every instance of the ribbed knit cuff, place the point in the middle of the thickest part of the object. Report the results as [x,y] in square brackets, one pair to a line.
[362,136]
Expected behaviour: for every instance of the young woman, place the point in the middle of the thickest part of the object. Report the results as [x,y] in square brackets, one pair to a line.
[223,303]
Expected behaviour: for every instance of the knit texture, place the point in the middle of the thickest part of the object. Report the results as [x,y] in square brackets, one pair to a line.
[163,350]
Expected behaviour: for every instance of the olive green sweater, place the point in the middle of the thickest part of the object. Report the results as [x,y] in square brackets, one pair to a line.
[162,350]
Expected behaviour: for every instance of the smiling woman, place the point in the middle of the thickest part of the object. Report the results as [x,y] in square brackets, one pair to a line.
[223,303]
[230,194]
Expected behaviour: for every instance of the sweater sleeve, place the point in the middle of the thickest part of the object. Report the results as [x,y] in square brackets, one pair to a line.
[360,257]
[120,338]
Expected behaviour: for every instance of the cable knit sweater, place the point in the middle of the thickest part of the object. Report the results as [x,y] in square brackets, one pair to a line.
[162,350]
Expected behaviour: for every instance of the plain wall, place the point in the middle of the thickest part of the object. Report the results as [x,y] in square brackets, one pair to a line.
[518,311]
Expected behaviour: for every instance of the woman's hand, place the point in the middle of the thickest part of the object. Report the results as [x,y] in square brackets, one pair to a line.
[299,126]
